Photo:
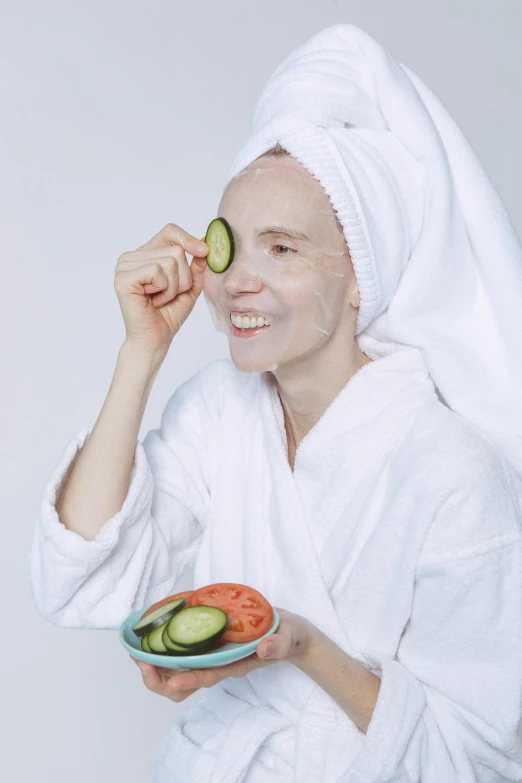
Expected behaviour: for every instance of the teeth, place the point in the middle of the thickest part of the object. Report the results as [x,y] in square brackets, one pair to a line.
[246,322]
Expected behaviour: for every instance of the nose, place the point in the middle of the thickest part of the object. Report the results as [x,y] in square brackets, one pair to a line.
[241,277]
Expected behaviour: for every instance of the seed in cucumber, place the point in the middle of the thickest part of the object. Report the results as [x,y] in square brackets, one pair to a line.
[194,626]
[220,240]
[150,621]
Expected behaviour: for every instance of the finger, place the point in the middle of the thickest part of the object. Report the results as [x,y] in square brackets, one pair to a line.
[151,677]
[197,270]
[202,248]
[173,260]
[184,281]
[188,286]
[203,244]
[131,258]
[269,646]
[206,678]
[177,694]
[160,685]
[151,276]
[191,680]
[170,268]
[171,234]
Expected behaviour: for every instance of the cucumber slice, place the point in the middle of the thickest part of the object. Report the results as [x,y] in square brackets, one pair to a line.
[155,641]
[220,240]
[144,644]
[176,649]
[195,625]
[161,615]
[171,647]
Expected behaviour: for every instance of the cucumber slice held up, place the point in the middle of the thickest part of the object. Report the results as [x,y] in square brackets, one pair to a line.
[220,240]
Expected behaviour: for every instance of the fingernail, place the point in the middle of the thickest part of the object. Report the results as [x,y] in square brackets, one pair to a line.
[268,649]
[202,247]
[143,668]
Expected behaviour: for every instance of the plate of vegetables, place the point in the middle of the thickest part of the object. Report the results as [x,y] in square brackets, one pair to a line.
[197,629]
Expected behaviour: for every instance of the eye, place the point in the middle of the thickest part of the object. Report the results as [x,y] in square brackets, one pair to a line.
[284,247]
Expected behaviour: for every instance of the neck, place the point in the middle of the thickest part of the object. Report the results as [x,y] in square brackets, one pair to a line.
[308,385]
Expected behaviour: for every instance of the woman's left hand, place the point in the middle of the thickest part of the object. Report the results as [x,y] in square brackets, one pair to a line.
[291,642]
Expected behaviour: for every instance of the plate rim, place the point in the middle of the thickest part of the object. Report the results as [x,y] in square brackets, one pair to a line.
[180,661]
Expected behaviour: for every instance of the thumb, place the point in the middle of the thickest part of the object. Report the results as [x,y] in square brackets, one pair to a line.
[197,269]
[271,647]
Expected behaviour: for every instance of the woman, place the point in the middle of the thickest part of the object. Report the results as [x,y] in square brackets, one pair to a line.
[358,460]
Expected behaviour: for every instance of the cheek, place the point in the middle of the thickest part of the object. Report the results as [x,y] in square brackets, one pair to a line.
[317,301]
[300,292]
[211,284]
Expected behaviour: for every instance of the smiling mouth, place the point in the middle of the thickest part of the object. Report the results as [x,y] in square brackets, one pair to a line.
[247,323]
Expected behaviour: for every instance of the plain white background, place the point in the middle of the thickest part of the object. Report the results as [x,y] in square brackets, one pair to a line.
[116,118]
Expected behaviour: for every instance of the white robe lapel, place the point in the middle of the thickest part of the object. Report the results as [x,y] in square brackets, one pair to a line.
[294,569]
[315,529]
[297,536]
[345,452]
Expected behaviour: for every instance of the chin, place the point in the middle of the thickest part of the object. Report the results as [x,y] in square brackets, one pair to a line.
[251,363]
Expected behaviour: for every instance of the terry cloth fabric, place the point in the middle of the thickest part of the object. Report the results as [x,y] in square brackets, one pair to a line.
[437,261]
[397,534]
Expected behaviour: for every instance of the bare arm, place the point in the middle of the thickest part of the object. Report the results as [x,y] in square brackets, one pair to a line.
[100,478]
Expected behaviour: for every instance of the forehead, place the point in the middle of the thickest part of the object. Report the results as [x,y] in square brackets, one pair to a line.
[278,188]
[279,176]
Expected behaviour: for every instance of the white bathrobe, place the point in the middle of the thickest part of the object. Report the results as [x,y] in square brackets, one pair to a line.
[398,535]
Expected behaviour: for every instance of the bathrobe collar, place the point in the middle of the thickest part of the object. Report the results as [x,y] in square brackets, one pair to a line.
[366,394]
[399,383]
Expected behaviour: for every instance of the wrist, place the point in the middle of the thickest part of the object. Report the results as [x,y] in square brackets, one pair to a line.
[305,658]
[137,369]
[140,354]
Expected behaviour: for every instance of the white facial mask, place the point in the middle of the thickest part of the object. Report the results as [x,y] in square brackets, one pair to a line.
[298,286]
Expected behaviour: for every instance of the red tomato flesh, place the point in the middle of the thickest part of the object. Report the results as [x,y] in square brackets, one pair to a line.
[250,614]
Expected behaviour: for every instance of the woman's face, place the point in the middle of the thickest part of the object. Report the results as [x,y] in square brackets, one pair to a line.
[299,283]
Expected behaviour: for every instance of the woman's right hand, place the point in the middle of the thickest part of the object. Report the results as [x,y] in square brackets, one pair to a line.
[158,680]
[156,287]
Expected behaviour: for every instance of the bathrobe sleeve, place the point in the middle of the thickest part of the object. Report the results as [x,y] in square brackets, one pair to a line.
[142,551]
[450,703]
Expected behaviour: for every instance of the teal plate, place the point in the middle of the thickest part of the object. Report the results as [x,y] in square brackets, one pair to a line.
[227,654]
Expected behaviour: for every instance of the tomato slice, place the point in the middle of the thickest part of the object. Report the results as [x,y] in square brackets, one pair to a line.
[185,594]
[249,613]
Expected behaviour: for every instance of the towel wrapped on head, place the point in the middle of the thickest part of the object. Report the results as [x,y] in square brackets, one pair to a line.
[437,261]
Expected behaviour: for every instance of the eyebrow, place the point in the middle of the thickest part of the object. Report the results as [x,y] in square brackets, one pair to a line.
[289,232]
[284,230]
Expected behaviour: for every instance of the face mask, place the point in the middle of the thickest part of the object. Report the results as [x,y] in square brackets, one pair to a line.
[296,285]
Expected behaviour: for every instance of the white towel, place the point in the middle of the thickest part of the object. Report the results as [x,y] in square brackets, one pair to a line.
[437,261]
